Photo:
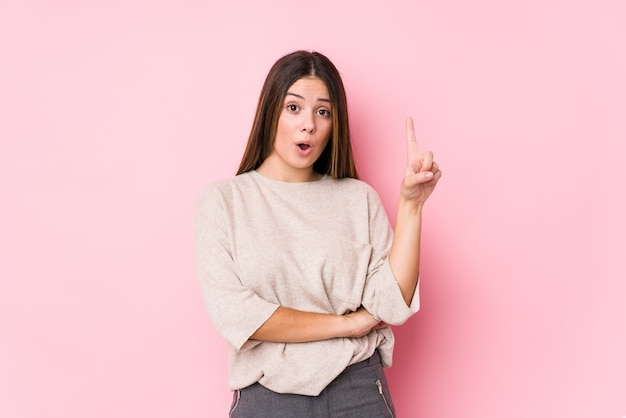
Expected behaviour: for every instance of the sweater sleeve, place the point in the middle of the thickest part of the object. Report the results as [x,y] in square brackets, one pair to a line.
[382,296]
[235,310]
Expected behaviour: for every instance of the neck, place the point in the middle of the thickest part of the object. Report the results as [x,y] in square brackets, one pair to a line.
[289,176]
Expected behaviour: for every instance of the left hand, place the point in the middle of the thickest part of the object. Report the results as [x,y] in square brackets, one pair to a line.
[421,174]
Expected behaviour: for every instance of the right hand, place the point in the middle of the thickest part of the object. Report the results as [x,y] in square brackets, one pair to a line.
[362,323]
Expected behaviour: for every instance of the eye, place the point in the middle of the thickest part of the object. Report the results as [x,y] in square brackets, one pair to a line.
[325,113]
[292,107]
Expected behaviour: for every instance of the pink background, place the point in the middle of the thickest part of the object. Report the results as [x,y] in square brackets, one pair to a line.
[113,114]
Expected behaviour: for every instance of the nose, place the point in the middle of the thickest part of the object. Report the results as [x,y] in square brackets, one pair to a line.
[308,123]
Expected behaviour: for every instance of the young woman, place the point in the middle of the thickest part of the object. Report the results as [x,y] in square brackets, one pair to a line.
[299,267]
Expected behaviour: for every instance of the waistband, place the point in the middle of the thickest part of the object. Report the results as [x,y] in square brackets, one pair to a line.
[374,359]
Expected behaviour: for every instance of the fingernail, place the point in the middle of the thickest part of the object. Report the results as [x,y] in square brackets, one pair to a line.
[428,175]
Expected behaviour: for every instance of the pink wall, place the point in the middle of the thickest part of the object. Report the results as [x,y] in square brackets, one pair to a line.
[114,113]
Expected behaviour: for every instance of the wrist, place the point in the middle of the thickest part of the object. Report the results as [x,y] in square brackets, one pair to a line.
[346,326]
[409,206]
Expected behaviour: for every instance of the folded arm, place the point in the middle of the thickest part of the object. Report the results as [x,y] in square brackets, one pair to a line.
[292,326]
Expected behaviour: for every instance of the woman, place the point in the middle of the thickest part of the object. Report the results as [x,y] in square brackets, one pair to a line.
[299,267]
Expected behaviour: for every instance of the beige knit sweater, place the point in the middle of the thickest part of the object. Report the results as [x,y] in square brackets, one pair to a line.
[316,246]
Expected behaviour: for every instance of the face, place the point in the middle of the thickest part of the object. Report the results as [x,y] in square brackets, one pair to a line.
[304,127]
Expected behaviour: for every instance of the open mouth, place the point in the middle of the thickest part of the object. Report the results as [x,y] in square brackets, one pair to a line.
[304,147]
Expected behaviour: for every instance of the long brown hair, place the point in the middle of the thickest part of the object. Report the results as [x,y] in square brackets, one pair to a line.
[336,160]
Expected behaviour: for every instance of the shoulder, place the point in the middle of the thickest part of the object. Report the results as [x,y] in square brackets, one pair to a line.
[360,191]
[217,194]
[223,187]
[357,187]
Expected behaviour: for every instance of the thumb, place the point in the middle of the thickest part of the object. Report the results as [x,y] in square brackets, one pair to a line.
[418,178]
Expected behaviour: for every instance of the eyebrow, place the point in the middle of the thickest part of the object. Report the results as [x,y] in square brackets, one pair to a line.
[300,97]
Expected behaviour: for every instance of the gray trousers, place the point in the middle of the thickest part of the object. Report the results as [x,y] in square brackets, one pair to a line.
[360,391]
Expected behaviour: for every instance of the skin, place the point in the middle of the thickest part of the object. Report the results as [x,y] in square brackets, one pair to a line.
[303,131]
[420,178]
[303,120]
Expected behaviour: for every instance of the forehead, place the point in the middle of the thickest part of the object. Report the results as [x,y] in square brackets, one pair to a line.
[312,88]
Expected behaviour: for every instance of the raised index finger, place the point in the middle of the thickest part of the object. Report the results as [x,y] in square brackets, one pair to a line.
[411,141]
